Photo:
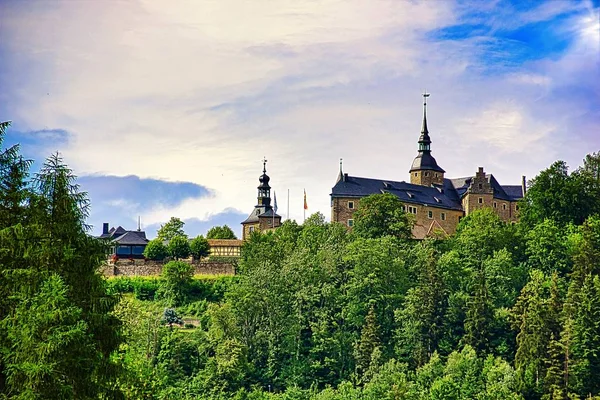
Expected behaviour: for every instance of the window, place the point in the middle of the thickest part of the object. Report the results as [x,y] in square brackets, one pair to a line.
[404,208]
[412,210]
[251,229]
[416,174]
[430,214]
[436,174]
[480,200]
[504,206]
[350,222]
[480,186]
[351,205]
[517,207]
[426,173]
[443,216]
[495,205]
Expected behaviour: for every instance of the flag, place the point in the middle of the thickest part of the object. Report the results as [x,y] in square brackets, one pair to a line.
[274,201]
[305,205]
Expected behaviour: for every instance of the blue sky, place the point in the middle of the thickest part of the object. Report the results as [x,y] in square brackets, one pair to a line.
[167,110]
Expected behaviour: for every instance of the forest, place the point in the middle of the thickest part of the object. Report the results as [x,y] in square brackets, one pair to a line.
[496,311]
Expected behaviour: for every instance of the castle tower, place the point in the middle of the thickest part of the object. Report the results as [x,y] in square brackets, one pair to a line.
[425,170]
[263,217]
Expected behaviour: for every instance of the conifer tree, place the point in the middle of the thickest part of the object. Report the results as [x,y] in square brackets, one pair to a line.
[368,344]
[53,241]
[479,316]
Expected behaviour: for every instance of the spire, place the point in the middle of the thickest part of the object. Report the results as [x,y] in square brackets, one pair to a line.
[341,174]
[424,128]
[424,160]
[424,140]
[264,165]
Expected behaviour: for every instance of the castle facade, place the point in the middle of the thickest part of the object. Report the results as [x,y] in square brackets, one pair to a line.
[436,202]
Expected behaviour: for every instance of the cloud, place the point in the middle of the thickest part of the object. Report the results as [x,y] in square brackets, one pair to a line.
[121,200]
[199,92]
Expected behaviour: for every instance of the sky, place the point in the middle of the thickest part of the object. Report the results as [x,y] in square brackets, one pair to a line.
[167,108]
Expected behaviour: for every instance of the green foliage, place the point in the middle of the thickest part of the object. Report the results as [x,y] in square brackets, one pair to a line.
[562,197]
[381,215]
[179,247]
[156,250]
[171,229]
[176,280]
[220,232]
[51,290]
[199,247]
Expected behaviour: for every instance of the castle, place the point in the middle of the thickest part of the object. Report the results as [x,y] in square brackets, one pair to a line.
[437,203]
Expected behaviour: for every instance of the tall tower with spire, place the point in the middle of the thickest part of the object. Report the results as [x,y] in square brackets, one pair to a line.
[424,170]
[263,217]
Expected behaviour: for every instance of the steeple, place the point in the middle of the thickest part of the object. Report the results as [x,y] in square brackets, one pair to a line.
[264,190]
[424,140]
[425,170]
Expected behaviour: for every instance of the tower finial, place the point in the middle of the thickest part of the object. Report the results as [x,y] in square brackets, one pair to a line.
[341,160]
[424,129]
[264,165]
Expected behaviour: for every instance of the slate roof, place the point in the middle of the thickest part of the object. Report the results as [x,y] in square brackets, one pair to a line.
[447,196]
[425,161]
[507,192]
[441,196]
[126,238]
[254,216]
[132,238]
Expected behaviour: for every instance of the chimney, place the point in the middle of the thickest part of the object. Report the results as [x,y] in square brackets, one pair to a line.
[345,177]
[524,185]
[105,228]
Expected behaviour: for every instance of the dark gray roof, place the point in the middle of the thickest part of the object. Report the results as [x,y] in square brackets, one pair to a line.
[508,193]
[132,238]
[426,161]
[260,212]
[113,233]
[437,196]
[515,192]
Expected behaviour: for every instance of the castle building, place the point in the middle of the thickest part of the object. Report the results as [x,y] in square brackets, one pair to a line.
[437,203]
[263,217]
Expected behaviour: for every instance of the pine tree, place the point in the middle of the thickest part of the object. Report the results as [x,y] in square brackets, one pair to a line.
[479,316]
[368,344]
[53,241]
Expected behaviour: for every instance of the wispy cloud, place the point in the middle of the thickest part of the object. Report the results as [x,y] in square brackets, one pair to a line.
[199,92]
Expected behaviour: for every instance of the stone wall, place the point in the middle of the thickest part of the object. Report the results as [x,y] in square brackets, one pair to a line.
[447,219]
[154,268]
[426,177]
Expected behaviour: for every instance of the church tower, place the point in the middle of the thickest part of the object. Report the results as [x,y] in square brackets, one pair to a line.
[263,217]
[424,170]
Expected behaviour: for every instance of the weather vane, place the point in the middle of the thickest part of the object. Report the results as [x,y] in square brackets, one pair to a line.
[425,96]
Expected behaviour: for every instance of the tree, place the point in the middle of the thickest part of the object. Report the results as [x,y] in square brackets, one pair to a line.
[171,317]
[53,240]
[220,232]
[176,278]
[179,247]
[171,229]
[368,345]
[555,194]
[199,247]
[156,250]
[382,215]
[51,345]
